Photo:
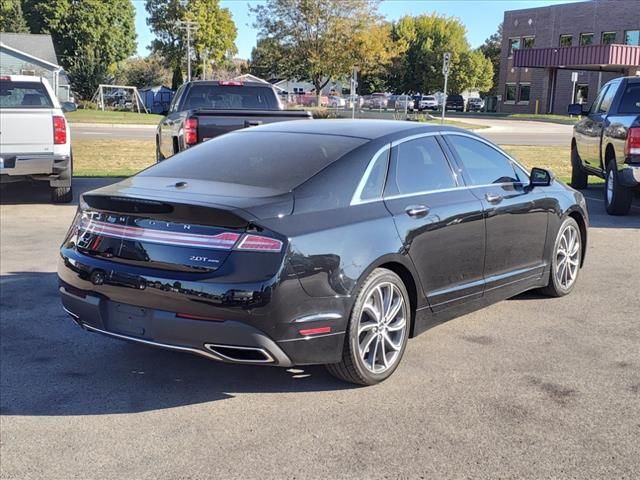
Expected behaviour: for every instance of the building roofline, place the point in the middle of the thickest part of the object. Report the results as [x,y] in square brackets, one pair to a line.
[13,49]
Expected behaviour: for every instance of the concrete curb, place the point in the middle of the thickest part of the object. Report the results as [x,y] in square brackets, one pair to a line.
[113,125]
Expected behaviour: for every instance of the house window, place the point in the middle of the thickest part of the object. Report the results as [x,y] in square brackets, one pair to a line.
[566,40]
[632,37]
[608,38]
[586,39]
[525,92]
[528,42]
[510,92]
[582,93]
[514,44]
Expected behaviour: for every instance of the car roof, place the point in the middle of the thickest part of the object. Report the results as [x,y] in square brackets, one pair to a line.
[366,129]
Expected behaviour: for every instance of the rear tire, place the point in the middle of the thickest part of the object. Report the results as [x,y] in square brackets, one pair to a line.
[159,156]
[579,177]
[61,194]
[617,198]
[378,331]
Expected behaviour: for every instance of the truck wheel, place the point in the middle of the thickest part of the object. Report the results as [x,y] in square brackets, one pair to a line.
[61,194]
[378,330]
[159,156]
[617,198]
[579,177]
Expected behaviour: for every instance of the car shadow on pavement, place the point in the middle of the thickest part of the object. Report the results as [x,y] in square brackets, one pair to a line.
[34,193]
[52,367]
[598,216]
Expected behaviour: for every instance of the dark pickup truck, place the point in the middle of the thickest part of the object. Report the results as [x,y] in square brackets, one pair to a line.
[606,143]
[201,110]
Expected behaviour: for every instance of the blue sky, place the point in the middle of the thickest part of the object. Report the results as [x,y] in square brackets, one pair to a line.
[479,16]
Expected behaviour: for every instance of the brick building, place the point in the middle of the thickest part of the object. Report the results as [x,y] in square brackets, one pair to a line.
[541,47]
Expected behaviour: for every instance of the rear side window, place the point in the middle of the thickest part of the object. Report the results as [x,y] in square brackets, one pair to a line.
[483,165]
[276,161]
[630,102]
[607,100]
[225,97]
[23,95]
[420,166]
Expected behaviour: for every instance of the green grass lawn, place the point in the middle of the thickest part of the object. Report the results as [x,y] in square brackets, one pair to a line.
[563,119]
[122,158]
[98,116]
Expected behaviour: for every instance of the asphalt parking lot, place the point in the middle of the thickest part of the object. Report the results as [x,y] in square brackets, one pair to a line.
[529,388]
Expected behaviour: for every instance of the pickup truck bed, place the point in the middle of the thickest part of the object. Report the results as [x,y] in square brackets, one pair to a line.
[202,110]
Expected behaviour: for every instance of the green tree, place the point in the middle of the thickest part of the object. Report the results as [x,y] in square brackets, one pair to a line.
[320,40]
[492,48]
[90,36]
[213,41]
[11,17]
[143,72]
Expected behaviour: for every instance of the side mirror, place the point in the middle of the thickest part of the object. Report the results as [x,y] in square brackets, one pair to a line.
[539,177]
[576,109]
[69,107]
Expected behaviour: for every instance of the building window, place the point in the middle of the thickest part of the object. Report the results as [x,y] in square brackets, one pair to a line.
[608,38]
[514,44]
[528,42]
[28,72]
[566,40]
[525,93]
[510,92]
[586,39]
[582,93]
[632,37]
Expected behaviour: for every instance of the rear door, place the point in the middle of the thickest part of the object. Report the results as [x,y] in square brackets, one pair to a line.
[26,119]
[439,221]
[516,218]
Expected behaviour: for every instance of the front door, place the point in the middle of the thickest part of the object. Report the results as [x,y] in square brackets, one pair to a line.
[516,217]
[439,221]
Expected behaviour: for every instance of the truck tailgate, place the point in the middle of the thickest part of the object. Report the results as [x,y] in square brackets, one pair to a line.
[26,131]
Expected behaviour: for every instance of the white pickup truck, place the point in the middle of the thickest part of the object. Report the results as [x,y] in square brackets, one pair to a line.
[35,143]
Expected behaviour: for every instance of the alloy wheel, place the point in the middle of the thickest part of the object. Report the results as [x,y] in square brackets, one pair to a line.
[568,257]
[381,328]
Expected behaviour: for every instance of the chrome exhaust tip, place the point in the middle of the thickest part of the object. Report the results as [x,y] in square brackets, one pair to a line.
[237,354]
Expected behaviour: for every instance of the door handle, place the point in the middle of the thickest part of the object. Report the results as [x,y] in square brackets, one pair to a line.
[417,211]
[494,198]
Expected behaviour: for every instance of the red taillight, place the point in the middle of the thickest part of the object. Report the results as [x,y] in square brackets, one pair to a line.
[259,243]
[315,331]
[230,83]
[191,131]
[632,146]
[5,77]
[59,130]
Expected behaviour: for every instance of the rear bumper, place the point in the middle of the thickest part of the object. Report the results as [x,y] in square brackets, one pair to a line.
[40,167]
[630,175]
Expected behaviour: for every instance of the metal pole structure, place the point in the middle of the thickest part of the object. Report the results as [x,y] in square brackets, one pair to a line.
[190,27]
[446,60]
[354,87]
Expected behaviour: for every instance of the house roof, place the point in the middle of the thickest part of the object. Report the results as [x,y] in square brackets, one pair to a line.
[39,46]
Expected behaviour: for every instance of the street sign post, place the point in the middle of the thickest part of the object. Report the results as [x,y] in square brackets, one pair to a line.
[354,87]
[574,79]
[446,61]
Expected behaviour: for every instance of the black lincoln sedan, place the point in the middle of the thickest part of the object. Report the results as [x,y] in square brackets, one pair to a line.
[326,242]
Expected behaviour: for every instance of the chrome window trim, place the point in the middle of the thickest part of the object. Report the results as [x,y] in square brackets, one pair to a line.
[461,187]
[395,143]
[356,199]
[489,144]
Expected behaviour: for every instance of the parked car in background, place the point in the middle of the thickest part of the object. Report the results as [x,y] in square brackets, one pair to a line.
[606,143]
[357,100]
[455,102]
[201,110]
[425,102]
[379,101]
[403,102]
[310,100]
[475,104]
[35,141]
[234,251]
[337,102]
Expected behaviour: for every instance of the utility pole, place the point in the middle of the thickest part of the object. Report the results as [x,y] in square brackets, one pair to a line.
[446,60]
[190,27]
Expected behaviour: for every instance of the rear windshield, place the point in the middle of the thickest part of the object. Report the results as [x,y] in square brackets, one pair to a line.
[23,95]
[275,160]
[631,99]
[224,97]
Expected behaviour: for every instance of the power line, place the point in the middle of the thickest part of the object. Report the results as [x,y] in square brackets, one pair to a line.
[190,27]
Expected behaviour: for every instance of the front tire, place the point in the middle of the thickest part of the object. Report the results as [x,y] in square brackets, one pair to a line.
[566,259]
[579,177]
[61,194]
[159,156]
[378,330]
[617,198]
